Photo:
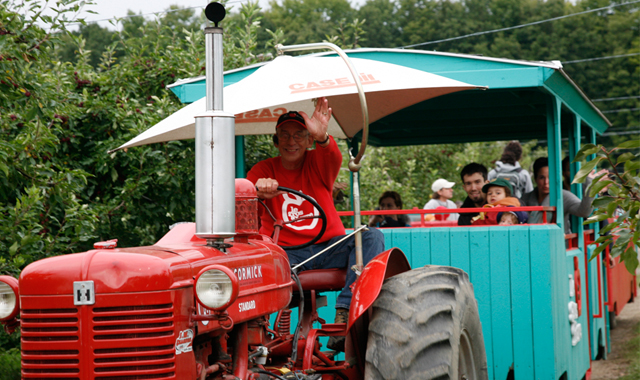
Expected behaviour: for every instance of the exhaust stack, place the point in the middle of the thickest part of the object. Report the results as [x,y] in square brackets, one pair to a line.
[215,145]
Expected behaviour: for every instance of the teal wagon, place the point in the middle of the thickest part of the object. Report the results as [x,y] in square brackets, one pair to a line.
[526,277]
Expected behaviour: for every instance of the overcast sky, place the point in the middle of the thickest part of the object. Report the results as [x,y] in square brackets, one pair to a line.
[108,9]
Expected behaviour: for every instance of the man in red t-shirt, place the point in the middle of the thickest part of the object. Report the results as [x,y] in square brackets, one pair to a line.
[312,172]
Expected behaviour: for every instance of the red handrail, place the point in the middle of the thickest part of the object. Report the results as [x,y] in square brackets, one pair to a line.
[572,240]
[607,263]
[422,212]
[589,239]
[589,236]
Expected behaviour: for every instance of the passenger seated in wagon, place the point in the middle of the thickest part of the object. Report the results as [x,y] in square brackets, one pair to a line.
[441,198]
[498,195]
[509,218]
[540,196]
[509,168]
[474,177]
[390,200]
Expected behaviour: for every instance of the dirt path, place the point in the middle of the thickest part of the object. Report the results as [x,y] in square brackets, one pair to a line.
[616,364]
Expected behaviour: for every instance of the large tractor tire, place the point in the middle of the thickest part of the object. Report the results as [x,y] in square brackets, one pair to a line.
[425,325]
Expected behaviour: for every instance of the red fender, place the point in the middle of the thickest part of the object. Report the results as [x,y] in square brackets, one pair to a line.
[366,290]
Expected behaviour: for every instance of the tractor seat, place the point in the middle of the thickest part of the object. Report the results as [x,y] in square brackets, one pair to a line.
[323,279]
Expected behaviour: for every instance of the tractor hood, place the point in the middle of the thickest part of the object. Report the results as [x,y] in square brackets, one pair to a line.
[171,263]
[111,270]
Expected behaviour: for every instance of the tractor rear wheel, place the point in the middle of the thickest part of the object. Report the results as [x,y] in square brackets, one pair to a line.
[425,325]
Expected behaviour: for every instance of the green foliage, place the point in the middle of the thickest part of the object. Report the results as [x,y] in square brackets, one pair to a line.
[621,203]
[10,364]
[306,21]
[41,209]
[60,190]
[382,23]
[242,42]
[96,41]
[350,35]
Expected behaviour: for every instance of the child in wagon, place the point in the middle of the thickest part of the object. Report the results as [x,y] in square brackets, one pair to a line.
[509,218]
[498,195]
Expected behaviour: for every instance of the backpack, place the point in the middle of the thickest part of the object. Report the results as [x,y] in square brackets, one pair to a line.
[513,176]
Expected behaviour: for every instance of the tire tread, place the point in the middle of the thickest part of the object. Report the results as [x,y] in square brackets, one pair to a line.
[412,332]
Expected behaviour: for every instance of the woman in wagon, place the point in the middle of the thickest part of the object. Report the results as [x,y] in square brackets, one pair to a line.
[441,198]
[390,200]
[572,205]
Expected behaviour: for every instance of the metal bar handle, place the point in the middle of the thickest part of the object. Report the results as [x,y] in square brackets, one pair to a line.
[329,247]
[354,163]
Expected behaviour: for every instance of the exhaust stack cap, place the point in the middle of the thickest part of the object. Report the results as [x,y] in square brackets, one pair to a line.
[215,12]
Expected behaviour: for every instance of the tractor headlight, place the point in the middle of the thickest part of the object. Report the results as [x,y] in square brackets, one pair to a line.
[8,297]
[216,287]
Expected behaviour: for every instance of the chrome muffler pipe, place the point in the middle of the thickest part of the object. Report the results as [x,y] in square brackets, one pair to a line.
[215,145]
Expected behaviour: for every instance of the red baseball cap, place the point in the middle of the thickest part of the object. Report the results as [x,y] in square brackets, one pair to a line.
[291,116]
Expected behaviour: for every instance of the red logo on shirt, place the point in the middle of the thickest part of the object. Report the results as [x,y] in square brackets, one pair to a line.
[295,207]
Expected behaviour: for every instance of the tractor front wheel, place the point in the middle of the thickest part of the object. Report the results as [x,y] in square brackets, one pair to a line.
[425,325]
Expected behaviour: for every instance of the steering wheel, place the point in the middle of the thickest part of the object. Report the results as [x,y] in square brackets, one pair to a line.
[277,226]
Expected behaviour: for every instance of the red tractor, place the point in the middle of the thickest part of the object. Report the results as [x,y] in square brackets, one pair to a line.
[196,304]
[185,309]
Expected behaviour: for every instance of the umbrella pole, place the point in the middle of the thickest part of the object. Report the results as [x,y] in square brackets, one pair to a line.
[354,163]
[356,211]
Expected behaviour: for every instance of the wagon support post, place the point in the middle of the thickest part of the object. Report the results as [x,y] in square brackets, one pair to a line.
[575,136]
[554,115]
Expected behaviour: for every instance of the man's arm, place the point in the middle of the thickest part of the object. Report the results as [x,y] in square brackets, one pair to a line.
[583,208]
[574,206]
[327,162]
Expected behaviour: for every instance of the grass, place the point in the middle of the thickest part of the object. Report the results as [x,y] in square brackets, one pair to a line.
[633,354]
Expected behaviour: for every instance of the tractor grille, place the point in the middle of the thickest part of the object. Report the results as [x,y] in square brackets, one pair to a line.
[127,334]
[50,343]
[102,341]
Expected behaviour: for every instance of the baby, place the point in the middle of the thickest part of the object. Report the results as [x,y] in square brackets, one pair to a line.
[512,217]
[498,194]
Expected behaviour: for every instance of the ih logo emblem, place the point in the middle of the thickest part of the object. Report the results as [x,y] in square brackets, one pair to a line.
[83,293]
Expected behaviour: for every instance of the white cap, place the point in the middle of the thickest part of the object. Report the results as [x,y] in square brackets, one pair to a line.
[440,184]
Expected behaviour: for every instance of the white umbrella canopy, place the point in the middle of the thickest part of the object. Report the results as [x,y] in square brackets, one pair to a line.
[291,83]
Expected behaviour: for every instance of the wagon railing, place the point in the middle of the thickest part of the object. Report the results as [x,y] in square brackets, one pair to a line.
[425,223]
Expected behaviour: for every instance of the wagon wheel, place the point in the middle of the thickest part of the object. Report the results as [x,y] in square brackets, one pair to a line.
[425,325]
